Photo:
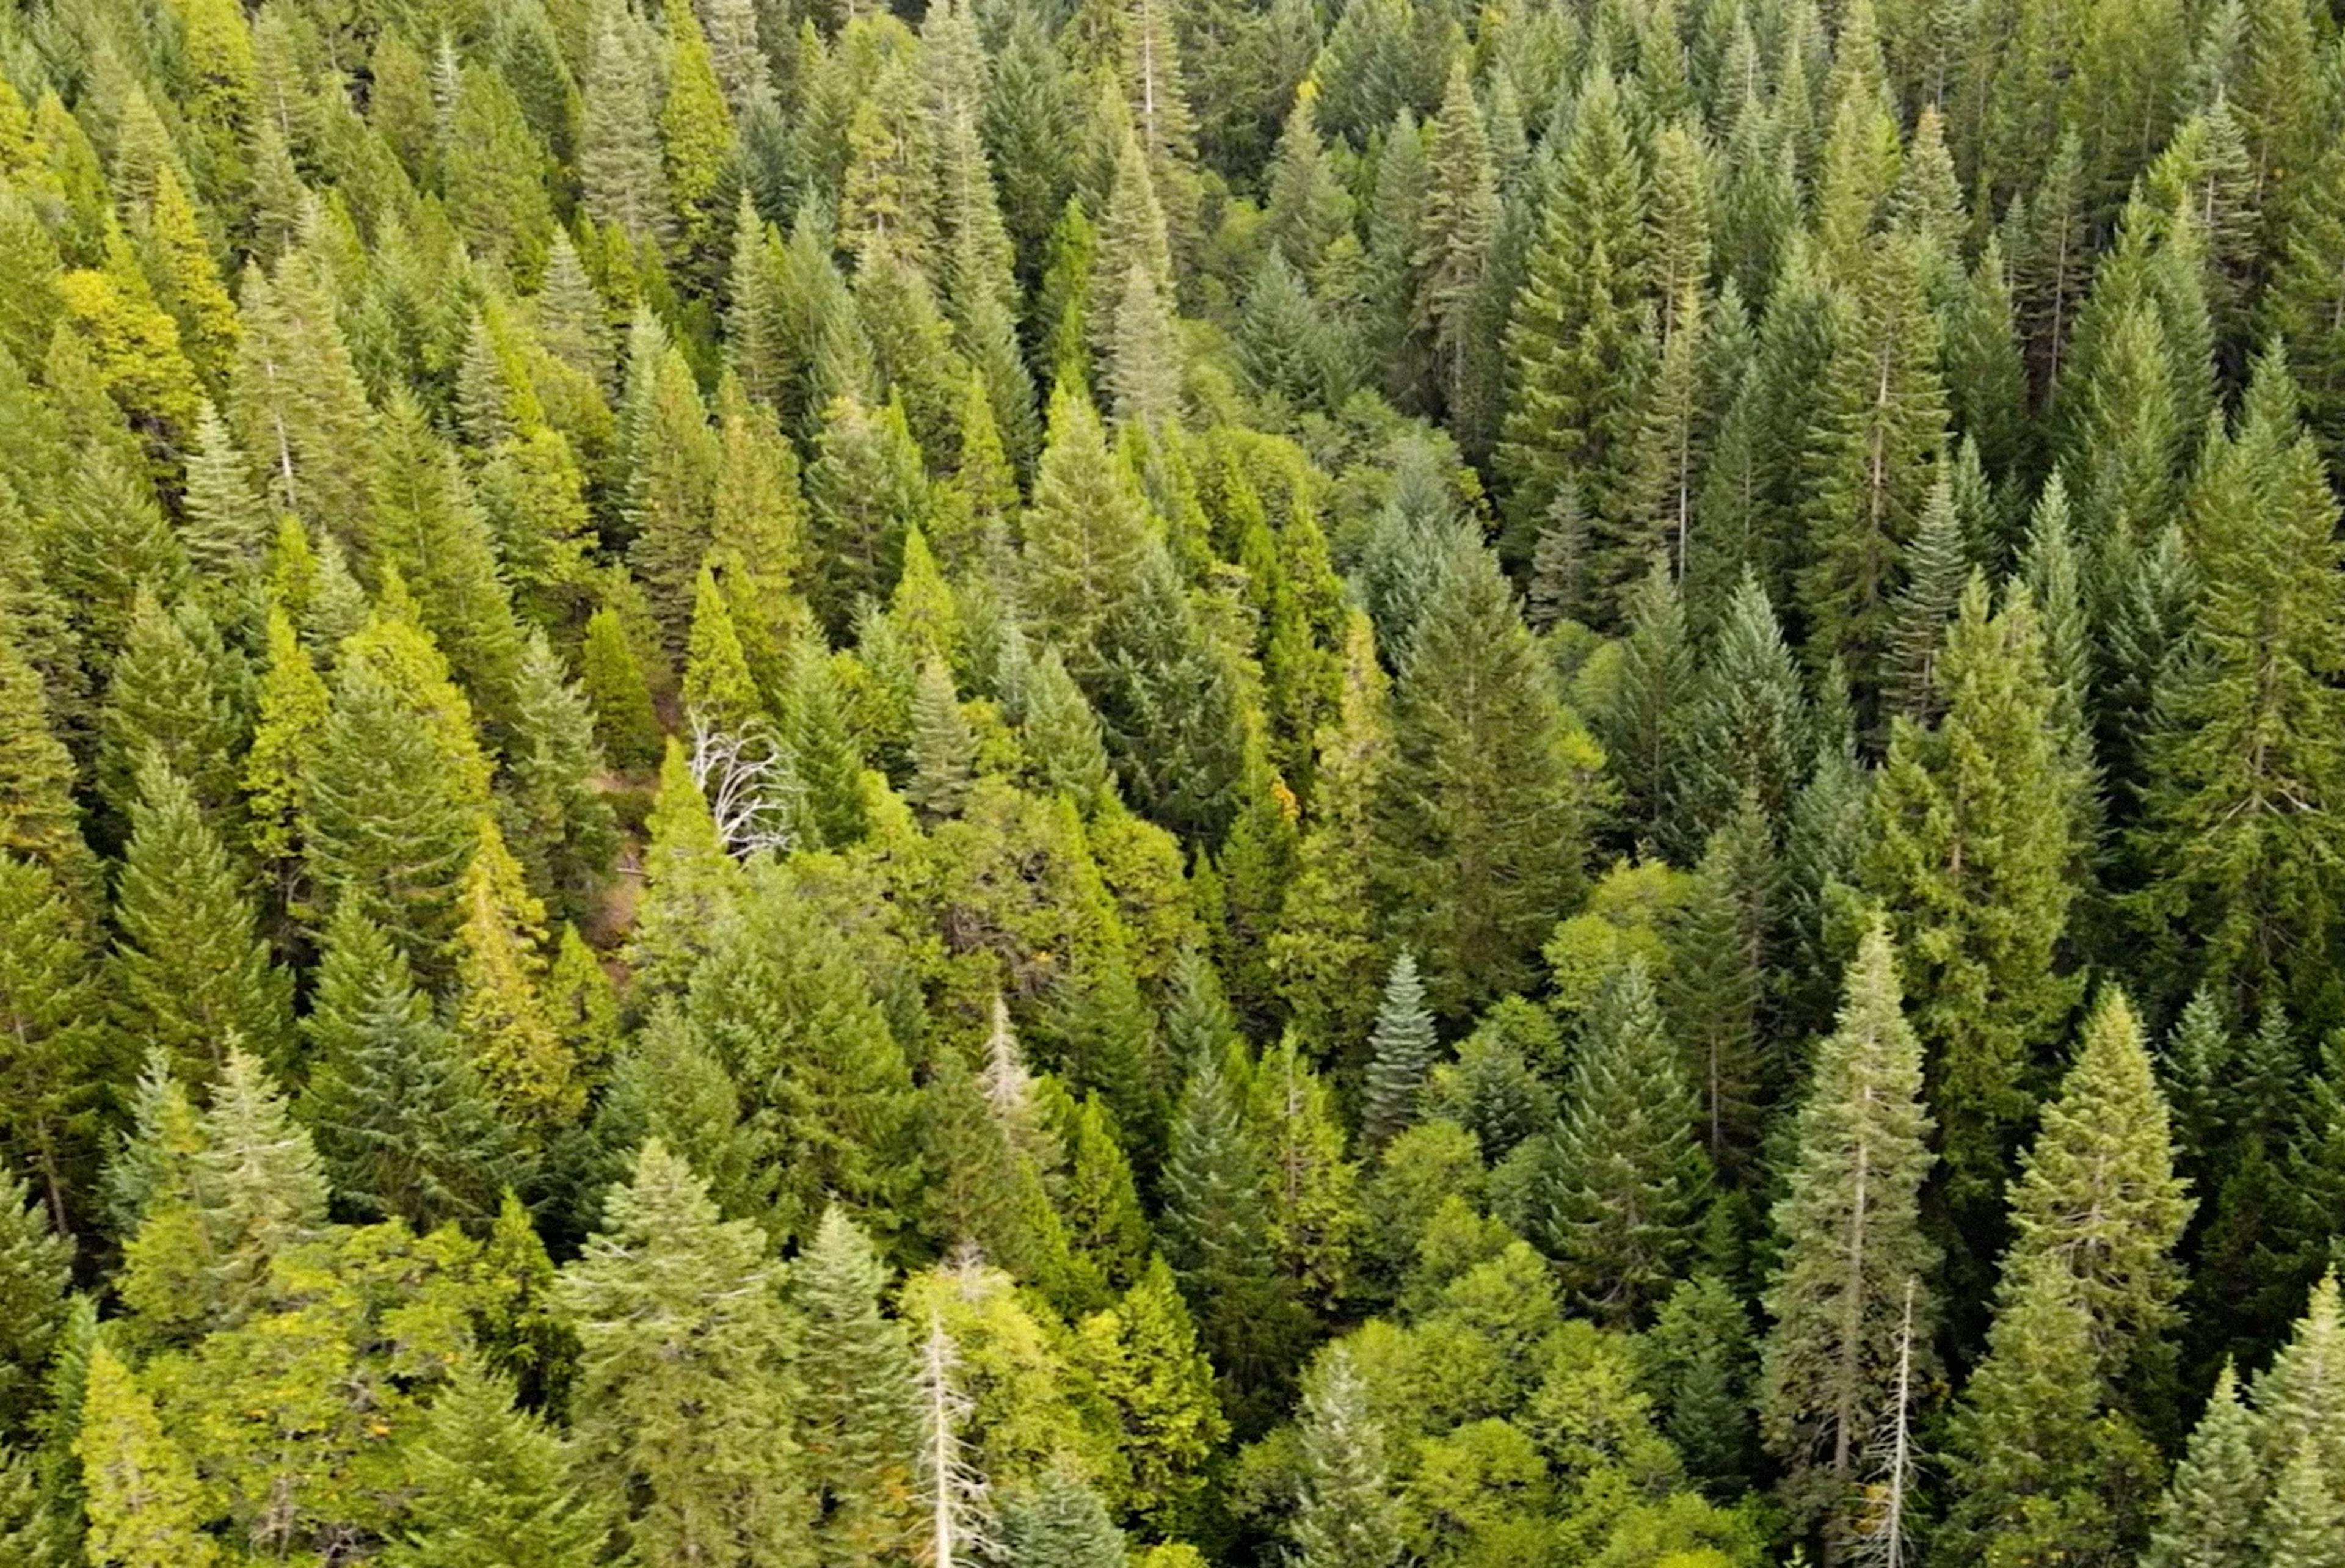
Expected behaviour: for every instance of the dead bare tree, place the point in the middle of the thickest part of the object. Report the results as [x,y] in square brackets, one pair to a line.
[750,786]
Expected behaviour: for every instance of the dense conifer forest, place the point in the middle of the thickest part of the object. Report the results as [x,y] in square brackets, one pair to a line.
[1171,784]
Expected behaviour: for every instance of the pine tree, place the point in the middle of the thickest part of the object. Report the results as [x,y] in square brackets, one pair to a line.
[36,1281]
[1087,532]
[1937,570]
[944,748]
[1346,1514]
[683,1396]
[164,697]
[51,1046]
[1850,1224]
[619,161]
[1974,870]
[1722,988]
[1578,345]
[493,1484]
[191,972]
[1065,752]
[864,489]
[1879,427]
[296,400]
[144,1506]
[614,682]
[1626,1178]
[1141,1356]
[1401,1052]
[1169,706]
[858,1414]
[39,818]
[560,825]
[399,1115]
[383,822]
[1485,860]
[1698,1360]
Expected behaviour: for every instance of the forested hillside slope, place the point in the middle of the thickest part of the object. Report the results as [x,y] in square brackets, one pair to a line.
[1067,783]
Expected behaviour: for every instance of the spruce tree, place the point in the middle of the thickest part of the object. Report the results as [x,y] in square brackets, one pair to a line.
[1059,1523]
[1087,533]
[1852,1243]
[944,748]
[53,1047]
[2207,1516]
[36,1281]
[1626,1179]
[2238,753]
[1644,721]
[1577,346]
[684,1397]
[1456,233]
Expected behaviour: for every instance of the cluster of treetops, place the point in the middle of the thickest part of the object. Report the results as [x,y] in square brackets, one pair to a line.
[1172,782]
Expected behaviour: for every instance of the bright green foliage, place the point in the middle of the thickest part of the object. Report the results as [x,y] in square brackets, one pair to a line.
[1626,1177]
[1140,1356]
[1087,532]
[145,1511]
[2039,1466]
[1314,1210]
[1850,1225]
[689,880]
[2207,1519]
[614,682]
[493,1484]
[191,973]
[2098,1198]
[857,1410]
[684,1398]
[38,818]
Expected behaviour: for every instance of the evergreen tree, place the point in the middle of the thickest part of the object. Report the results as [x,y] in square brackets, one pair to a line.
[858,1415]
[1059,1523]
[1626,1178]
[2097,1197]
[1850,1225]
[144,1506]
[1401,1052]
[1346,1514]
[1485,859]
[1972,867]
[191,972]
[1577,346]
[2208,1517]
[494,1485]
[1087,533]
[1644,721]
[614,682]
[52,1051]
[1216,1229]
[944,748]
[683,1394]
[400,1116]
[2238,753]
[619,161]
[1455,234]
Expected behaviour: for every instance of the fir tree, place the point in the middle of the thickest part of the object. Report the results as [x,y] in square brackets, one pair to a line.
[399,1115]
[1456,233]
[1626,1178]
[2208,1517]
[2237,754]
[614,682]
[53,1055]
[1972,867]
[1477,711]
